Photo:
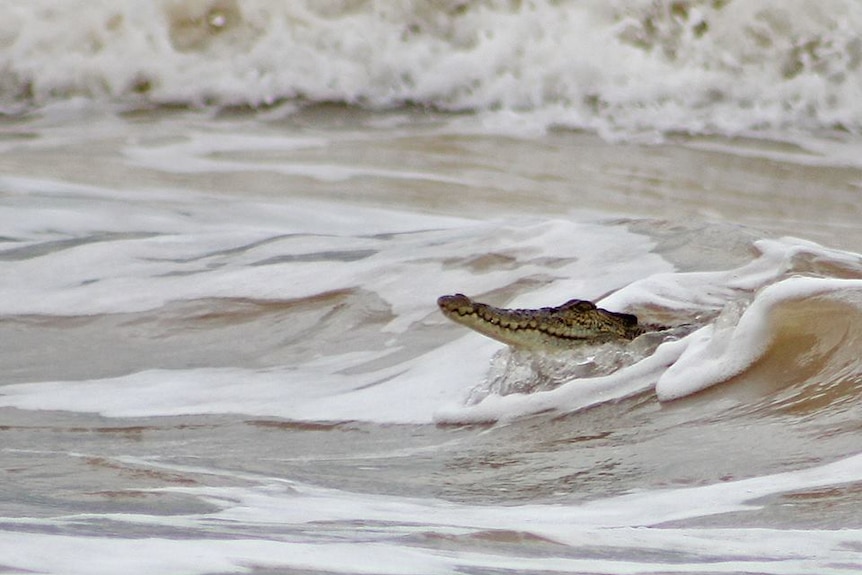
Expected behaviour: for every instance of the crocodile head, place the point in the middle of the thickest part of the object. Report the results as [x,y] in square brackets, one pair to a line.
[573,323]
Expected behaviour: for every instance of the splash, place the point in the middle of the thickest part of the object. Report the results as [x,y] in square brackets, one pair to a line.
[519,371]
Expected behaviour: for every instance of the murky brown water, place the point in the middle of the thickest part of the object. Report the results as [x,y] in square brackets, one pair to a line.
[198,330]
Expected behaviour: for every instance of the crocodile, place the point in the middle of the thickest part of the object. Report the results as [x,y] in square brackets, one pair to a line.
[574,323]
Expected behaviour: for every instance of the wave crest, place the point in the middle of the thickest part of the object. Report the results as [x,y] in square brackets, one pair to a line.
[794,331]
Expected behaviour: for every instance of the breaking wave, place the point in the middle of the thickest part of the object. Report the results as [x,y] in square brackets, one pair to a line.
[617,67]
[791,342]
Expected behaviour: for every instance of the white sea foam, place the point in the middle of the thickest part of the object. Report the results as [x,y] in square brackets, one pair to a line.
[299,503]
[617,67]
[772,552]
[170,245]
[180,239]
[386,537]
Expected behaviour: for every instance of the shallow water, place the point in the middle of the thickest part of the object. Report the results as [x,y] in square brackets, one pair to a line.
[221,351]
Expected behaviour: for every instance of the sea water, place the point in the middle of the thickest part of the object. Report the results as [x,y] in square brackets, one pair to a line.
[223,231]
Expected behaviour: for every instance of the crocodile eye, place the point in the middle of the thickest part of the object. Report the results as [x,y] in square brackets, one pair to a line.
[627,319]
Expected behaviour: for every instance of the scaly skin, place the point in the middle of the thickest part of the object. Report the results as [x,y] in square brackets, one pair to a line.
[574,323]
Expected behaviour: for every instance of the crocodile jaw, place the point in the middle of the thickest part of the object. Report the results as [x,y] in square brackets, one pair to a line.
[574,323]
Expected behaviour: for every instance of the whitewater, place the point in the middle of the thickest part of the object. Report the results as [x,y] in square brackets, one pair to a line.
[224,226]
[622,68]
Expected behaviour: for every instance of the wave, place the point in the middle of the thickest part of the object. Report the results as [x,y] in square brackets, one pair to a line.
[696,66]
[311,320]
[802,330]
[790,339]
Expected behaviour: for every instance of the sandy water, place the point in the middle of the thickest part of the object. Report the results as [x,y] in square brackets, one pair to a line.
[221,352]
